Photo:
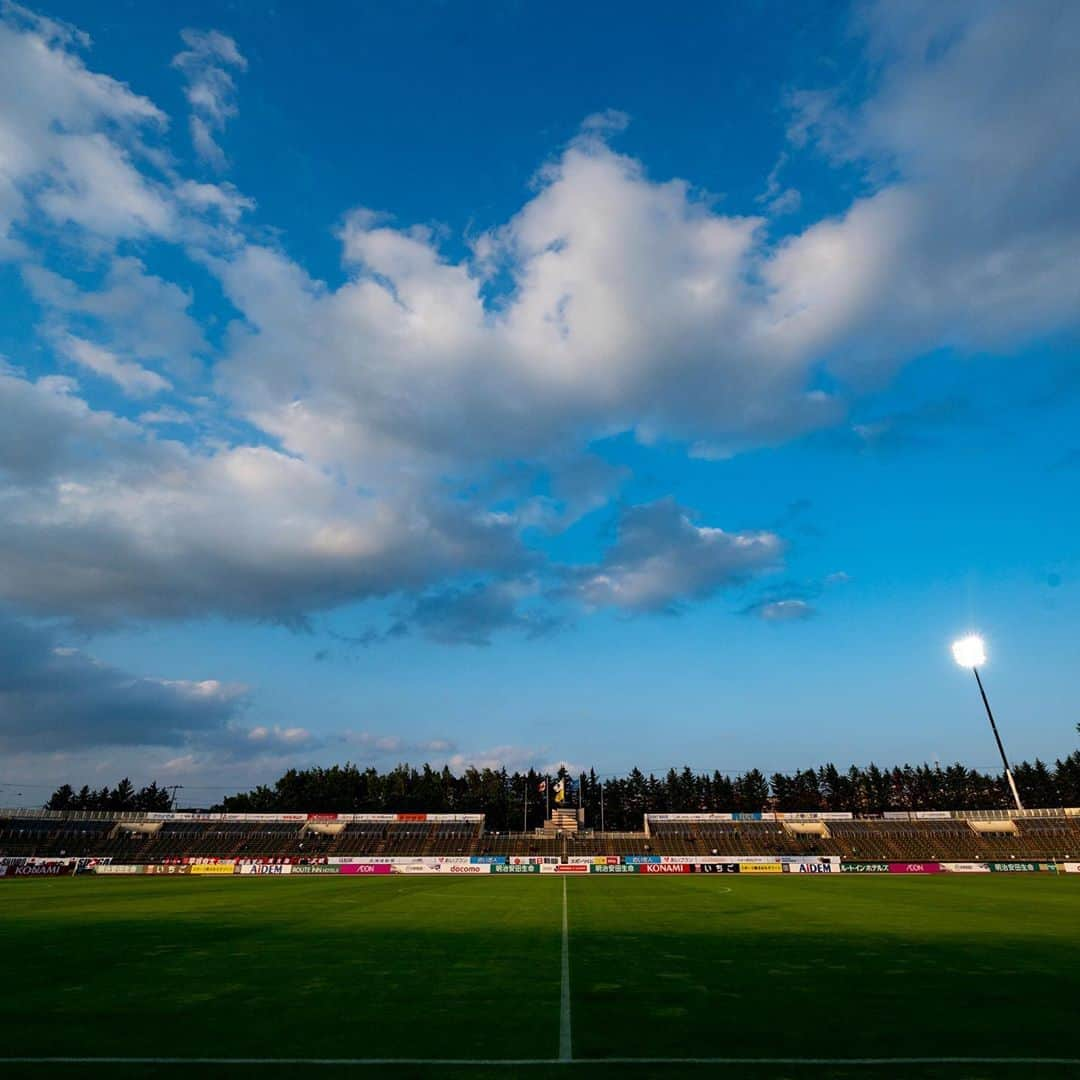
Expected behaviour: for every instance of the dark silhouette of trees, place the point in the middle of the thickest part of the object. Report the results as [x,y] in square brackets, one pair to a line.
[502,796]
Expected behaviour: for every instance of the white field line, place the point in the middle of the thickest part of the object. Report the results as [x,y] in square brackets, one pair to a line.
[565,1043]
[383,1062]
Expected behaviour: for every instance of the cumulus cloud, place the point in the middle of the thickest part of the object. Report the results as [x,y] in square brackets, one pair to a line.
[661,559]
[135,314]
[783,610]
[133,378]
[104,521]
[472,614]
[53,697]
[211,91]
[611,302]
[968,235]
[70,137]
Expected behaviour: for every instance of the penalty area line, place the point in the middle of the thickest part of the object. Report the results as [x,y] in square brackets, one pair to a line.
[526,1062]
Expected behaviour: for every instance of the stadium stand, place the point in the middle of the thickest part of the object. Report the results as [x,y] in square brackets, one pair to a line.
[138,838]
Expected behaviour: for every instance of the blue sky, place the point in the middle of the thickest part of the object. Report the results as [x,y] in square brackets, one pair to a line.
[520,384]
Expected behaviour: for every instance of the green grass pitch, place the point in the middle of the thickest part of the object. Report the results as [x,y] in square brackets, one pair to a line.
[427,968]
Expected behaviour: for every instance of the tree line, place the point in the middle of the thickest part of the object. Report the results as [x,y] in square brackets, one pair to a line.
[509,801]
[123,797]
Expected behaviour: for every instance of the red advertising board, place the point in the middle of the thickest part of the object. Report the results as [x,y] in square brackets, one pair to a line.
[410,817]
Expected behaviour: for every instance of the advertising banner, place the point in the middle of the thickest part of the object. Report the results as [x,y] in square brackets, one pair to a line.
[29,870]
[113,868]
[864,868]
[636,860]
[663,868]
[572,868]
[487,859]
[715,868]
[811,868]
[914,868]
[518,868]
[171,868]
[690,817]
[612,868]
[472,868]
[212,868]
[1020,867]
[1070,867]
[263,870]
[761,868]
[366,868]
[315,869]
[966,867]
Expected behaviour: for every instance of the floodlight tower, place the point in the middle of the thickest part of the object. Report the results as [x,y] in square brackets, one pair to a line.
[970,652]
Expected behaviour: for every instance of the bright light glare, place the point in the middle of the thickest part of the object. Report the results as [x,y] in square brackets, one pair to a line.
[969,651]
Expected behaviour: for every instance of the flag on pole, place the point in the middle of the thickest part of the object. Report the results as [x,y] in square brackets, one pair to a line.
[560,791]
[542,786]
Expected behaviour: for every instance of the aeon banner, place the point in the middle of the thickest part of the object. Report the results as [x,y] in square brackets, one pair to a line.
[366,868]
[915,868]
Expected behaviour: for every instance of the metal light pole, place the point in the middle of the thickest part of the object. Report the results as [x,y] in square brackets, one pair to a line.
[970,652]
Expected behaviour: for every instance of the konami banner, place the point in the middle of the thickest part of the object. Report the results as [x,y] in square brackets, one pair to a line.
[38,870]
[663,868]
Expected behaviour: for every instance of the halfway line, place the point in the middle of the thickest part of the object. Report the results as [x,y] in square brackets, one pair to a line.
[565,1053]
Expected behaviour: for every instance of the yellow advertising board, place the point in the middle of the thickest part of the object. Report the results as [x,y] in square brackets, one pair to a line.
[211,868]
[761,868]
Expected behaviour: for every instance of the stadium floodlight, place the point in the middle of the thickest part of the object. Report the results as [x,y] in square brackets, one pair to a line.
[970,652]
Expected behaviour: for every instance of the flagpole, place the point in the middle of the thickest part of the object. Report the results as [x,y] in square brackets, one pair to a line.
[525,820]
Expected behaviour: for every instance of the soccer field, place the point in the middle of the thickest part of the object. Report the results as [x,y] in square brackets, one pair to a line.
[481,972]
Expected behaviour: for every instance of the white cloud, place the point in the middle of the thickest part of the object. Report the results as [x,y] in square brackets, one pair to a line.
[661,559]
[56,697]
[67,136]
[138,314]
[132,378]
[610,302]
[211,91]
[785,610]
[103,520]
